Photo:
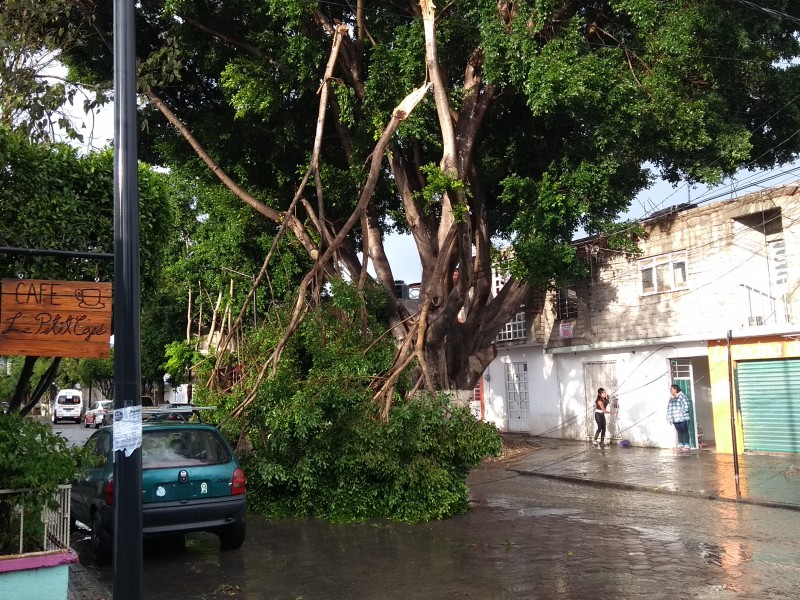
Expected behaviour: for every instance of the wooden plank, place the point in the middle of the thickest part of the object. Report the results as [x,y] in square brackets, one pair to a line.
[55,318]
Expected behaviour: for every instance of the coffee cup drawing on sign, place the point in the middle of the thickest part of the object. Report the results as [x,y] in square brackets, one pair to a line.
[90,298]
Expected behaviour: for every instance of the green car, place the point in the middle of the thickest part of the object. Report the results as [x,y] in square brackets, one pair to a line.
[191,481]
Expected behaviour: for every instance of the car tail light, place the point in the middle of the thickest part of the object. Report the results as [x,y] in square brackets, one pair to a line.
[237,483]
[109,495]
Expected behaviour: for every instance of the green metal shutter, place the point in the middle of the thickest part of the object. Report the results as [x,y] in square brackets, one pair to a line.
[769,398]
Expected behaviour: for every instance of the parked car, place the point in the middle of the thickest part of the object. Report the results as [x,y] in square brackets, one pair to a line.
[68,405]
[191,481]
[94,416]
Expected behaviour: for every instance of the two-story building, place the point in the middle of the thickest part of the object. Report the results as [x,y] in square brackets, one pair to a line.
[640,323]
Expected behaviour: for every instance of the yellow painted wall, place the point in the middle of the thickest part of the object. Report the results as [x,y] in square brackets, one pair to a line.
[749,349]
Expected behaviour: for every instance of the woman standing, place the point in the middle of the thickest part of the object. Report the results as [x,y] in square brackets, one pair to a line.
[600,411]
[678,415]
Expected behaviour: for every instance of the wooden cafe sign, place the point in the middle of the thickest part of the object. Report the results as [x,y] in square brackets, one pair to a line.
[55,318]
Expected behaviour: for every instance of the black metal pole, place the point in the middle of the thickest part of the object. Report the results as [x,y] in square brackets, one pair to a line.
[733,420]
[127,357]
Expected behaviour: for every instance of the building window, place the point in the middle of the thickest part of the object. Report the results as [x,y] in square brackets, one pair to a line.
[514,329]
[566,304]
[663,273]
[500,280]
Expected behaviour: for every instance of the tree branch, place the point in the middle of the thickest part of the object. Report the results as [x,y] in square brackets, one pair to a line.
[399,114]
[257,205]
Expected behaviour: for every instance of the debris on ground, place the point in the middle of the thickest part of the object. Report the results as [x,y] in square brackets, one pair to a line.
[514,445]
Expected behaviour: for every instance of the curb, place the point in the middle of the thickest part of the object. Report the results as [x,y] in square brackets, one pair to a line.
[657,490]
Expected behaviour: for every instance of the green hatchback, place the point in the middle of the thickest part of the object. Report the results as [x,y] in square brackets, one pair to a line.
[191,481]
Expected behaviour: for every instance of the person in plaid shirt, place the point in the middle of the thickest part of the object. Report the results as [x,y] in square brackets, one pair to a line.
[678,415]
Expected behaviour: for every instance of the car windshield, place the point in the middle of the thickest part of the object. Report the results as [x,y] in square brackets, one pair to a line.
[105,405]
[163,448]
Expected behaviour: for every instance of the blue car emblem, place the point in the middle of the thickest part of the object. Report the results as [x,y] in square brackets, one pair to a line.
[183,476]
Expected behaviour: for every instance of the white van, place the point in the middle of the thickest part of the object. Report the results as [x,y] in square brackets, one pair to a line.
[68,405]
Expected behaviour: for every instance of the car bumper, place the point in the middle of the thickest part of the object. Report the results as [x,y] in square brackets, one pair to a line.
[161,518]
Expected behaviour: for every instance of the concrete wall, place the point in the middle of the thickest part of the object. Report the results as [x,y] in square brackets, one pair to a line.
[642,390]
[561,405]
[36,577]
[542,388]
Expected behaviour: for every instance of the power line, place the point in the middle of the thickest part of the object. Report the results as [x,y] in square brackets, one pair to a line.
[769,11]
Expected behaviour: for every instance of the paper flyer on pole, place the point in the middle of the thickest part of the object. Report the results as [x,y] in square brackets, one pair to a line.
[128,429]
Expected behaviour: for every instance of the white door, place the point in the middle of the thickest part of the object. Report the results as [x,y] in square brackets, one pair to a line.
[598,375]
[517,396]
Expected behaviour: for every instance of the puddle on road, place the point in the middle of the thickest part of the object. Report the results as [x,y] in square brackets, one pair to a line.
[713,554]
[513,504]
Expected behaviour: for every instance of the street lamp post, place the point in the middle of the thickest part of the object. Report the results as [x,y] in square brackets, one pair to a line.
[127,355]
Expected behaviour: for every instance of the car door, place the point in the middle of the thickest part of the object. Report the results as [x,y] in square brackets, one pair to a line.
[91,486]
[91,414]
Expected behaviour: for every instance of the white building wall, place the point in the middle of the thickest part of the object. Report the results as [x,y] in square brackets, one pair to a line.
[542,388]
[642,391]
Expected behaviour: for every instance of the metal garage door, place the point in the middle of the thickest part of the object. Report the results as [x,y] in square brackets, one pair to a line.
[769,397]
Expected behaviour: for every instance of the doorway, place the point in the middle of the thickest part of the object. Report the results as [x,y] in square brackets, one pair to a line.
[600,375]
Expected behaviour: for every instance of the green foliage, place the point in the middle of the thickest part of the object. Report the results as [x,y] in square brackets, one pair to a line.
[180,357]
[89,372]
[440,183]
[318,446]
[8,382]
[33,102]
[52,198]
[32,456]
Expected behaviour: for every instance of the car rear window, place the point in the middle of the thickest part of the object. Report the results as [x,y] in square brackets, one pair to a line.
[69,399]
[163,448]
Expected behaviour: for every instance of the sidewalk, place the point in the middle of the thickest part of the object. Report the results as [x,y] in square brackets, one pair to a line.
[85,584]
[765,480]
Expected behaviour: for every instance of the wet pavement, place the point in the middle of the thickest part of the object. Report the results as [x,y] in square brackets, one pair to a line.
[767,480]
[642,528]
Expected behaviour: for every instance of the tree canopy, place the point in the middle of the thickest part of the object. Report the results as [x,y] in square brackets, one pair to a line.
[469,125]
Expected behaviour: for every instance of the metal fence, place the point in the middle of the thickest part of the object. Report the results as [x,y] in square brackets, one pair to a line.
[55,519]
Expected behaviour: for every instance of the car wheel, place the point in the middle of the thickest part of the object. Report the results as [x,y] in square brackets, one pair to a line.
[96,424]
[86,423]
[101,541]
[232,537]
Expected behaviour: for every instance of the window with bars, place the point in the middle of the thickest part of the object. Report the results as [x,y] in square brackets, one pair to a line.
[566,304]
[514,329]
[663,273]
